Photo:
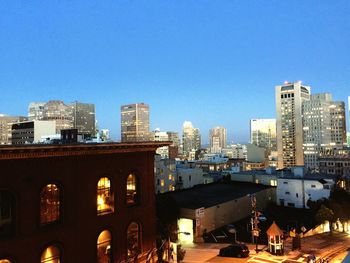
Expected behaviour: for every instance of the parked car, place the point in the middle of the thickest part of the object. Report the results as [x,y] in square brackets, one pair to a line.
[234,250]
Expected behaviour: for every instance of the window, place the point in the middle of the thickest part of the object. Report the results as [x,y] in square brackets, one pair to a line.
[51,254]
[7,213]
[287,193]
[104,250]
[189,178]
[49,204]
[133,239]
[5,261]
[105,198]
[313,186]
[285,182]
[131,189]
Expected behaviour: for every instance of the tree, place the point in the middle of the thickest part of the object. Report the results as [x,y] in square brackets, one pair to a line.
[325,214]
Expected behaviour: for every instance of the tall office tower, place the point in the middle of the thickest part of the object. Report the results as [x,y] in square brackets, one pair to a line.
[84,118]
[338,126]
[217,139]
[317,129]
[263,133]
[289,99]
[5,127]
[191,139]
[61,113]
[36,111]
[135,122]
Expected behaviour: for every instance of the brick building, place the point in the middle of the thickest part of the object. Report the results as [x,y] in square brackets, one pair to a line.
[77,203]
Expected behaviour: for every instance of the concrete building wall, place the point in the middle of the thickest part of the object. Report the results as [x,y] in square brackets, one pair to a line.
[296,192]
[43,128]
[189,177]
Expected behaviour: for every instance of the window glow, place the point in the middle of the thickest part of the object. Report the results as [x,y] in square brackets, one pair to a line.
[131,191]
[104,197]
[49,204]
[104,251]
[51,255]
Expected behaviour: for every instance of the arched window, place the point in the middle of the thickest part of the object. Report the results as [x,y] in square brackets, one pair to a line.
[133,239]
[131,189]
[51,254]
[104,247]
[7,213]
[49,204]
[104,197]
[5,261]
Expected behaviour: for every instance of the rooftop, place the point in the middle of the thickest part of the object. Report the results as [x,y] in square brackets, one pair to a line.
[209,195]
[51,150]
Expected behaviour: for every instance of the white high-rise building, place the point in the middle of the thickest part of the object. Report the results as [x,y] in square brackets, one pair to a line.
[217,139]
[317,128]
[191,139]
[289,123]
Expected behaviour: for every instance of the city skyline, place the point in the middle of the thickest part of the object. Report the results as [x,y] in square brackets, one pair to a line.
[207,63]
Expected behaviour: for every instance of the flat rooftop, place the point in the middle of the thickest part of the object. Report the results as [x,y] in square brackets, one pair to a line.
[51,150]
[209,195]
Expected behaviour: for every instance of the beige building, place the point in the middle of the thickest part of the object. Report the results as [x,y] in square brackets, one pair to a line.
[5,127]
[135,122]
[217,139]
[56,110]
[289,99]
[211,206]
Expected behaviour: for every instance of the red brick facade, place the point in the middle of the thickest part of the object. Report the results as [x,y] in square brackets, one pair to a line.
[76,170]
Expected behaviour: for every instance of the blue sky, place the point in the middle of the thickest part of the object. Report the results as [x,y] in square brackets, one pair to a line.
[210,62]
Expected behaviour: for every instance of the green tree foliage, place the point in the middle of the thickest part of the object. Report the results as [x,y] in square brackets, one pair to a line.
[323,214]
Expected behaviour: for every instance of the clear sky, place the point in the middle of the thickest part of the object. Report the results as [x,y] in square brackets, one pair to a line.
[209,62]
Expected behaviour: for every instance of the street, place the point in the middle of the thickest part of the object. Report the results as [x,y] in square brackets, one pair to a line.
[334,247]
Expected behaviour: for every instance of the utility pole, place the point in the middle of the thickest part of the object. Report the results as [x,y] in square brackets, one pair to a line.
[254,221]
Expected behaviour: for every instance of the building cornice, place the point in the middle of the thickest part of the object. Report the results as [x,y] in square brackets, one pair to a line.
[43,151]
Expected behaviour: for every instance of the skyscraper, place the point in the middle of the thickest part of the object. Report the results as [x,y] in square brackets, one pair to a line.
[84,118]
[289,99]
[316,128]
[61,113]
[217,139]
[135,122]
[338,125]
[263,133]
[191,138]
[36,111]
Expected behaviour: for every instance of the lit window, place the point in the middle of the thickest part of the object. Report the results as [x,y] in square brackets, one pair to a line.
[104,251]
[131,189]
[133,239]
[51,254]
[104,197]
[49,204]
[162,182]
[5,261]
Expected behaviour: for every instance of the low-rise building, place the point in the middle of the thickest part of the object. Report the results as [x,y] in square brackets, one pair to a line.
[188,175]
[165,174]
[6,125]
[32,131]
[295,191]
[208,207]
